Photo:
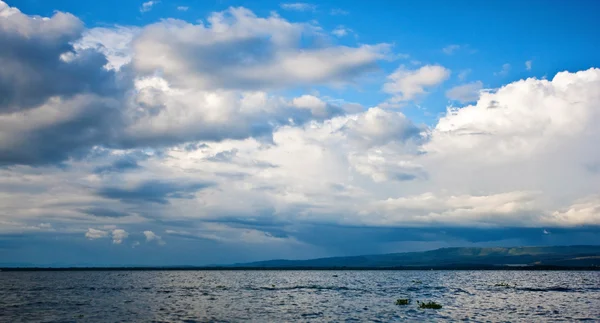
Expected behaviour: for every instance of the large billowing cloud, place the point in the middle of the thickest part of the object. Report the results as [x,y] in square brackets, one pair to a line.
[177,132]
[238,50]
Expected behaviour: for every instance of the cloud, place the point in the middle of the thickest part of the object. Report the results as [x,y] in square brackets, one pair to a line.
[504,71]
[147,6]
[103,212]
[93,234]
[119,165]
[528,65]
[114,43]
[219,132]
[465,93]
[463,74]
[269,53]
[99,88]
[183,8]
[451,49]
[39,62]
[118,235]
[152,191]
[338,12]
[151,236]
[512,208]
[407,84]
[341,31]
[298,6]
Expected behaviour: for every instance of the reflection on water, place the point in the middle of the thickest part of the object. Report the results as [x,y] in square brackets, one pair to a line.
[278,296]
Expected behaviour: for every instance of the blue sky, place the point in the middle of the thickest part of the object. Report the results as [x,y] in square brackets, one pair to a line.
[199,132]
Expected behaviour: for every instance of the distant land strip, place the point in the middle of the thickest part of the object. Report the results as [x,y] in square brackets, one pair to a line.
[229,268]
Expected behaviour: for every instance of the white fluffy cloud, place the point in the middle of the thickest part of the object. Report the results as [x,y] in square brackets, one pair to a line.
[151,236]
[118,235]
[406,85]
[95,234]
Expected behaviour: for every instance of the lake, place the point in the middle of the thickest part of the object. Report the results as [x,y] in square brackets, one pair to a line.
[304,296]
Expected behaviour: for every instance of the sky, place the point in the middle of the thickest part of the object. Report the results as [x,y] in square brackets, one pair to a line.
[179,132]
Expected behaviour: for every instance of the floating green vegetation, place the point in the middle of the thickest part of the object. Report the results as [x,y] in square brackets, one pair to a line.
[430,304]
[273,286]
[402,301]
[502,285]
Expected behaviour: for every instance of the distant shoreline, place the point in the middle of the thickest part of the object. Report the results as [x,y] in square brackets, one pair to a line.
[408,268]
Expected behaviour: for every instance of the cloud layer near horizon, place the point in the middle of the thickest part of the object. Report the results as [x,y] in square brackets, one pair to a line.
[183,129]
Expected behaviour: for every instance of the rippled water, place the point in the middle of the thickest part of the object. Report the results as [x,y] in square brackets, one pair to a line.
[283,296]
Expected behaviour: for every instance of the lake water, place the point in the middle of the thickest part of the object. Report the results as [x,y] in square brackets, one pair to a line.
[297,296]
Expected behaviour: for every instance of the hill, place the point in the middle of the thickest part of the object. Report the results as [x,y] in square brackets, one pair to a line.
[566,256]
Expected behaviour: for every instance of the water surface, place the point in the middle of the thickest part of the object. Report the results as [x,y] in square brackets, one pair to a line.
[303,296]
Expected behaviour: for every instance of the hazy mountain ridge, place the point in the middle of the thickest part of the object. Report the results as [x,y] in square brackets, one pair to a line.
[554,256]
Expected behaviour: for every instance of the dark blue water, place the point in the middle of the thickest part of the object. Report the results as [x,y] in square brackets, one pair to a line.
[284,296]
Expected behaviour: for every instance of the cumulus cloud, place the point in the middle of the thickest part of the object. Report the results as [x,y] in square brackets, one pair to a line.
[79,96]
[118,235]
[151,236]
[39,61]
[114,43]
[465,93]
[268,51]
[95,234]
[406,85]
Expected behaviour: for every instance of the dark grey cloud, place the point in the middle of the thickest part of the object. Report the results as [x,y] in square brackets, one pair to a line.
[38,62]
[62,129]
[103,212]
[153,191]
[118,166]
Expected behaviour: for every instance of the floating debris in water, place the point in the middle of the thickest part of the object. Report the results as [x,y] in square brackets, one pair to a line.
[430,304]
[502,285]
[402,301]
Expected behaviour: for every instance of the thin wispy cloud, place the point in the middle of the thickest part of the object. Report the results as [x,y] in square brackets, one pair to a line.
[298,6]
[451,49]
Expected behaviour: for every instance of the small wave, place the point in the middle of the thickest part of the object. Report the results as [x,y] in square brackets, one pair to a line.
[312,315]
[547,289]
[313,287]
